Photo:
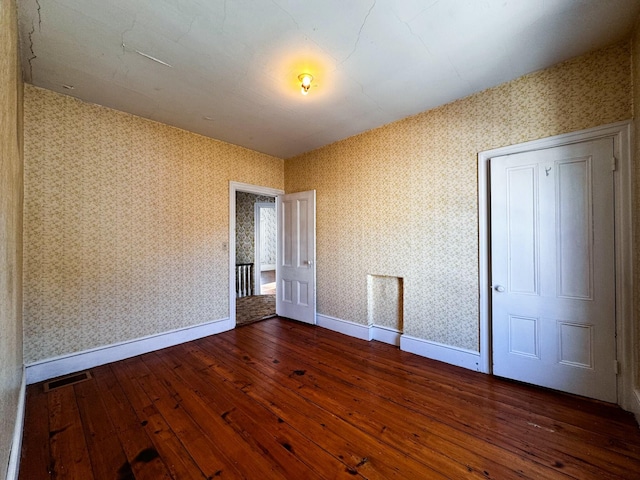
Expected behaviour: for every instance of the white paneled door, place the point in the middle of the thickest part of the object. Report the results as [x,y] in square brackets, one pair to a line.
[553,268]
[296,257]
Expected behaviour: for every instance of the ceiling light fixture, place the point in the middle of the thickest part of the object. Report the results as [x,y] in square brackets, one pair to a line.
[305,82]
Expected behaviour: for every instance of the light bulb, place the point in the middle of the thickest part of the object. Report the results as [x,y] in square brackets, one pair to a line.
[305,82]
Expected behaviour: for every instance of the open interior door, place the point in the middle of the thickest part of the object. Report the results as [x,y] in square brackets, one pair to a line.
[296,257]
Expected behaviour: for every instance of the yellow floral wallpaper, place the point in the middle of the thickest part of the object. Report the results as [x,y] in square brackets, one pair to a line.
[401,200]
[384,303]
[126,224]
[10,228]
[125,219]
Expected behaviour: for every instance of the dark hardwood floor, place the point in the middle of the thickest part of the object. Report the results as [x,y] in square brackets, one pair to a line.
[279,399]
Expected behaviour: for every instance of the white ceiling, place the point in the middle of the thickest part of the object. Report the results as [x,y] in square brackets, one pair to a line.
[234,63]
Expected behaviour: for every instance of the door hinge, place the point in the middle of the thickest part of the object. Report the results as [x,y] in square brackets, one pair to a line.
[616,367]
[614,163]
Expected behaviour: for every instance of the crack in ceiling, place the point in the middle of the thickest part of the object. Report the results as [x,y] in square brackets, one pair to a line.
[355,46]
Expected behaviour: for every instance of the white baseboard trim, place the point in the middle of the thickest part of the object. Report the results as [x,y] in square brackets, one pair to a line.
[386,335]
[74,362]
[425,348]
[357,330]
[438,351]
[16,443]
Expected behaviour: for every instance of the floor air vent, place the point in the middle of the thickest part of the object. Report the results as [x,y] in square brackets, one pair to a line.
[65,381]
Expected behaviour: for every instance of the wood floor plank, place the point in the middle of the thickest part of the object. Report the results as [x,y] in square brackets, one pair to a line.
[203,451]
[213,389]
[236,415]
[568,462]
[137,445]
[284,400]
[184,413]
[247,456]
[577,410]
[548,411]
[376,415]
[35,455]
[395,462]
[103,444]
[361,453]
[66,437]
[447,386]
[462,412]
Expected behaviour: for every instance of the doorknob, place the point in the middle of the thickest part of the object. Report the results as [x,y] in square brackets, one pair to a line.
[499,288]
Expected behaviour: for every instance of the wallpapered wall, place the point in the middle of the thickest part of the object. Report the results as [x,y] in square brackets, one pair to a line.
[126,224]
[10,228]
[401,200]
[384,302]
[268,237]
[245,225]
[636,206]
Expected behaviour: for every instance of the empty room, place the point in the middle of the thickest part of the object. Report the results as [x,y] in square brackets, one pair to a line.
[360,239]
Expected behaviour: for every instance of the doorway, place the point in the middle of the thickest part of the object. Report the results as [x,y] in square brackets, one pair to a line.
[619,135]
[247,302]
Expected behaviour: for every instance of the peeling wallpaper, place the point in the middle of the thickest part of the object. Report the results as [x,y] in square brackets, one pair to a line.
[401,200]
[126,222]
[11,185]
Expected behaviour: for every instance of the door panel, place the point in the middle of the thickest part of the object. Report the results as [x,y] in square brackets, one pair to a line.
[296,266]
[575,223]
[552,249]
[522,229]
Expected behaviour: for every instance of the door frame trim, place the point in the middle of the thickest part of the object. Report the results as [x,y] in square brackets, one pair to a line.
[233,188]
[621,133]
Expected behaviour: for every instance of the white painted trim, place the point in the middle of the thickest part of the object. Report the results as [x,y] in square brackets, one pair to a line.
[357,330]
[16,443]
[484,252]
[626,331]
[459,357]
[621,133]
[74,362]
[386,335]
[233,188]
[445,353]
